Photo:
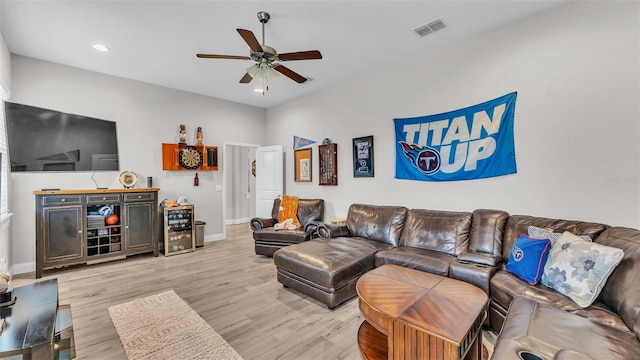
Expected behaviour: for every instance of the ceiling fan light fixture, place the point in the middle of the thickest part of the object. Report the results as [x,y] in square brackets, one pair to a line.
[263,72]
[100,47]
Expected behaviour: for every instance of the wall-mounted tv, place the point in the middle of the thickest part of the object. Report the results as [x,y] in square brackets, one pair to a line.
[48,140]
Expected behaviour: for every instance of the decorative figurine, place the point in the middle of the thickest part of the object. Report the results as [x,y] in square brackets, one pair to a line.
[183,135]
[199,136]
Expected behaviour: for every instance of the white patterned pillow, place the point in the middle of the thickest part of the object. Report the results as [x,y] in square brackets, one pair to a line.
[579,269]
[540,233]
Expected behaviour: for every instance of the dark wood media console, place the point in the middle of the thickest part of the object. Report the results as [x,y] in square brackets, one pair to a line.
[70,227]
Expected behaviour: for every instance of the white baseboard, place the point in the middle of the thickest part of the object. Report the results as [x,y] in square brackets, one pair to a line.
[213,237]
[31,266]
[237,221]
[23,268]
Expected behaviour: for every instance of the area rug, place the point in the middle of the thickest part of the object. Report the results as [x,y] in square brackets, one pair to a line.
[163,326]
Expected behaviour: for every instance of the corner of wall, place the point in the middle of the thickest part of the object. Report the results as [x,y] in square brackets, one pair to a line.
[214,237]
[23,268]
[5,65]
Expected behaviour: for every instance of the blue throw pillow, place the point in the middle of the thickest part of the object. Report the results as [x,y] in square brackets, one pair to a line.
[528,257]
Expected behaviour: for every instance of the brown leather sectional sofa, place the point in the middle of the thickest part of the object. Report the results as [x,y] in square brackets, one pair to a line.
[473,247]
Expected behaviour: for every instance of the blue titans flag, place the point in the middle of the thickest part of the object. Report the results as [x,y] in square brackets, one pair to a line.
[471,143]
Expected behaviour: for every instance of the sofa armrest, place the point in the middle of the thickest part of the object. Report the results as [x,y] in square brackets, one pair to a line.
[480,258]
[261,223]
[474,273]
[332,230]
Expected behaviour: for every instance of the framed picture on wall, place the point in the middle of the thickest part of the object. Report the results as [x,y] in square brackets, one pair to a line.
[363,156]
[302,160]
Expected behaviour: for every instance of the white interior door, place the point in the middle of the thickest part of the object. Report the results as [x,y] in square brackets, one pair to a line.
[269,178]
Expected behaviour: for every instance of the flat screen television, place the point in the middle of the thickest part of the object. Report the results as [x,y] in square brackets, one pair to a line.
[48,140]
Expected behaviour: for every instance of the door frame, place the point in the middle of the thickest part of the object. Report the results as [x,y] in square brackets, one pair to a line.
[225,160]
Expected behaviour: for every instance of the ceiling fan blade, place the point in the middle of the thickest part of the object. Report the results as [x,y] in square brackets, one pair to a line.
[290,74]
[246,79]
[213,56]
[250,39]
[301,55]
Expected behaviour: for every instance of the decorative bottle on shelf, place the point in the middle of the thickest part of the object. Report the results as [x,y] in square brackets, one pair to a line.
[199,136]
[183,135]
[196,181]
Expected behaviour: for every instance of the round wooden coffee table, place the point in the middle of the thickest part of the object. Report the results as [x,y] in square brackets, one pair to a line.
[411,314]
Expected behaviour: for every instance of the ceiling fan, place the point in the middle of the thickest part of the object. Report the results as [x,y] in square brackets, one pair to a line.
[267,59]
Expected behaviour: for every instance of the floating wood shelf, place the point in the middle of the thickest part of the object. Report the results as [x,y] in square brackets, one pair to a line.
[171,157]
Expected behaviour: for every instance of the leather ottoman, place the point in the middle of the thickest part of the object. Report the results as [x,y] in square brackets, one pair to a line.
[327,269]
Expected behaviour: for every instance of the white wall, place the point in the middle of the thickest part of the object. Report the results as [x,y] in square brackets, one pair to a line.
[6,258]
[145,116]
[5,63]
[577,118]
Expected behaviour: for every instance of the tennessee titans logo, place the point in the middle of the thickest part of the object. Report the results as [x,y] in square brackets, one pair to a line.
[424,158]
[517,253]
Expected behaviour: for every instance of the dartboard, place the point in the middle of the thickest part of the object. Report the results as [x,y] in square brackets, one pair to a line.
[190,157]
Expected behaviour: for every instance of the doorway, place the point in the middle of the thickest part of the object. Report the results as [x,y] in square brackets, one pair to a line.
[238,184]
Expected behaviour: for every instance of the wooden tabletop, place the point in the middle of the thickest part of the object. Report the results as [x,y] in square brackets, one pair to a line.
[93,191]
[443,307]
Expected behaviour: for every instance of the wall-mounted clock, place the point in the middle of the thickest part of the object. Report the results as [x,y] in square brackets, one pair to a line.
[190,157]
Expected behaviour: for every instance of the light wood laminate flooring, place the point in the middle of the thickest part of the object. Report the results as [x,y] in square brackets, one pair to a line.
[231,287]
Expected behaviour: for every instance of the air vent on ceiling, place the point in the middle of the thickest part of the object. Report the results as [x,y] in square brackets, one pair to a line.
[430,27]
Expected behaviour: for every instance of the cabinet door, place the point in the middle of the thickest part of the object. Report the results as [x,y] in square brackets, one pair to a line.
[62,233]
[139,225]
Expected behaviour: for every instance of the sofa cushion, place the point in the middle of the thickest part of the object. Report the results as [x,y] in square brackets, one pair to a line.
[519,224]
[430,261]
[379,223]
[443,231]
[480,258]
[545,331]
[622,290]
[579,269]
[487,231]
[540,233]
[505,287]
[308,210]
[528,257]
[329,263]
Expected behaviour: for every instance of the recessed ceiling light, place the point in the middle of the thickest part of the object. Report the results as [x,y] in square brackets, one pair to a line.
[258,90]
[100,47]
